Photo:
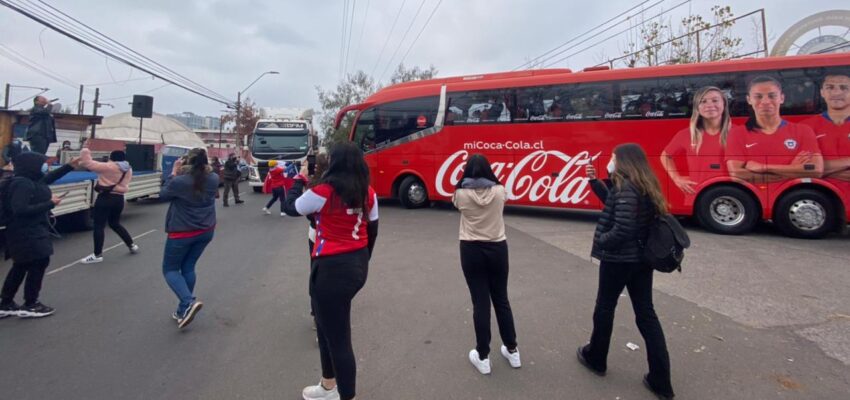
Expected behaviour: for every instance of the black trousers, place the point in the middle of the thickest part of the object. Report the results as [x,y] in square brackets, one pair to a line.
[637,279]
[334,281]
[107,210]
[39,144]
[277,193]
[33,271]
[485,267]
[228,186]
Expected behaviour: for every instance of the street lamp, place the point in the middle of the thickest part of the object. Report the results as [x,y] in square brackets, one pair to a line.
[239,94]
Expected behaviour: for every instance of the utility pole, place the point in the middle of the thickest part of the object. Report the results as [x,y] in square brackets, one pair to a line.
[8,93]
[80,102]
[238,114]
[96,105]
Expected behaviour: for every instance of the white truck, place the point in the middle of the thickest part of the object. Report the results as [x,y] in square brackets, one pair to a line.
[281,139]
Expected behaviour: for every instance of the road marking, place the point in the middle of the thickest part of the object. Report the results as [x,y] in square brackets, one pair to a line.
[64,267]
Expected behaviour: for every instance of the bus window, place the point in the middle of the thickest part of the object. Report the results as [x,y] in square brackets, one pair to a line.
[400,119]
[801,90]
[548,103]
[364,132]
[480,107]
[593,101]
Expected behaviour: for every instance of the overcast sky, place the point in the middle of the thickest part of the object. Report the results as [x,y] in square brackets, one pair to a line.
[225,44]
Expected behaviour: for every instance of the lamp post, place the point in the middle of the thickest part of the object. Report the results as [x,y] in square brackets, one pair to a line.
[239,97]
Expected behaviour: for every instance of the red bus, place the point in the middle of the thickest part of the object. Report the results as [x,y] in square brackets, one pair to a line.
[540,128]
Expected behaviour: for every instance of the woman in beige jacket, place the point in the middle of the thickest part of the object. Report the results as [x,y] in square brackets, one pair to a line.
[484,259]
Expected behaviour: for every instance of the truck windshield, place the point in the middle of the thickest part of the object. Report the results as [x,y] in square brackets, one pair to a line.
[266,142]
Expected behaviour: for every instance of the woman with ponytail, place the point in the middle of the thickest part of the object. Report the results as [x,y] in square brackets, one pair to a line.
[632,198]
[190,224]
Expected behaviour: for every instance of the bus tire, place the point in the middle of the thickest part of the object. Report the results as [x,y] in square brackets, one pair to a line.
[412,193]
[727,210]
[257,189]
[805,213]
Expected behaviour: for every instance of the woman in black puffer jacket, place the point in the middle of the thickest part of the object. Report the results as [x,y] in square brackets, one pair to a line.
[632,199]
[28,201]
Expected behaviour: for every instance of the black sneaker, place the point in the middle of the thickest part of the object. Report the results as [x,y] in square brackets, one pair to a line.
[189,315]
[9,310]
[226,205]
[36,310]
[583,361]
[659,395]
[240,201]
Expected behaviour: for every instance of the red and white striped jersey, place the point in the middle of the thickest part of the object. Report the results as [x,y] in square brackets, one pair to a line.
[339,229]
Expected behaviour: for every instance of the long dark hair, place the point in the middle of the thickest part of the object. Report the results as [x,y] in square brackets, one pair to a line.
[631,164]
[477,167]
[348,174]
[199,163]
[752,124]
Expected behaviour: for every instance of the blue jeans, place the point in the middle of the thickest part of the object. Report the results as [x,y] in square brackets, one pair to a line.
[178,266]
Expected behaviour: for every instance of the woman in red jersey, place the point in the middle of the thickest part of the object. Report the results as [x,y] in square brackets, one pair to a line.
[702,143]
[345,209]
[771,149]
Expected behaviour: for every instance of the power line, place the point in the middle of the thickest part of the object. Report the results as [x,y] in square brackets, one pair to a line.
[389,35]
[144,78]
[390,61]
[136,54]
[342,40]
[362,30]
[350,30]
[70,26]
[19,59]
[434,11]
[531,62]
[129,96]
[607,38]
[87,43]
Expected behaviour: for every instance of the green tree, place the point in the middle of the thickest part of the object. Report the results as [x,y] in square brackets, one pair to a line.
[353,90]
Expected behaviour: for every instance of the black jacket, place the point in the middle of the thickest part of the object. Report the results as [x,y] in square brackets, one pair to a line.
[42,124]
[623,224]
[29,204]
[231,171]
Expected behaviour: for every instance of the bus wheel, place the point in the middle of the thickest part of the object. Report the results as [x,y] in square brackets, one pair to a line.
[727,210]
[805,213]
[257,189]
[412,193]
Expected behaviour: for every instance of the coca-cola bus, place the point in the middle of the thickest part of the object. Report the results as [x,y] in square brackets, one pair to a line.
[540,128]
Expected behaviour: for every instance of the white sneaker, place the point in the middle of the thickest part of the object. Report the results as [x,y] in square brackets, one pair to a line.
[92,259]
[512,358]
[483,366]
[134,248]
[283,214]
[266,210]
[317,392]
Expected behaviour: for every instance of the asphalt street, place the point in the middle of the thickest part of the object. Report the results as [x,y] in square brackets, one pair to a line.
[752,317]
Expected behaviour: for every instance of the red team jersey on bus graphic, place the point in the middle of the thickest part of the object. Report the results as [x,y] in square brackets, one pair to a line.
[339,229]
[702,165]
[834,140]
[778,148]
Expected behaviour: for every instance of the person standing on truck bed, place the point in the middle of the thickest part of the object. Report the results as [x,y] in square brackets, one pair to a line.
[113,182]
[42,127]
[27,202]
[231,176]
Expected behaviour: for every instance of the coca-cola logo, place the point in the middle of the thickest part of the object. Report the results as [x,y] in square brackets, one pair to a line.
[529,178]
[614,115]
[573,116]
[654,113]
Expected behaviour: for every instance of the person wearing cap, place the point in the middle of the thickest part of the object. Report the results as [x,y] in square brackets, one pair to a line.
[113,182]
[28,240]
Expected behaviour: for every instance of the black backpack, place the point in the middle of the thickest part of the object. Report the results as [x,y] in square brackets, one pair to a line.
[665,246]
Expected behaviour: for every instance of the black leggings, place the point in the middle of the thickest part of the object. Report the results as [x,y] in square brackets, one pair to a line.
[107,209]
[334,281]
[277,193]
[637,279]
[485,267]
[33,271]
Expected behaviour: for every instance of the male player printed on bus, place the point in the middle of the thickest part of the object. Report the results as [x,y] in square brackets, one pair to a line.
[769,148]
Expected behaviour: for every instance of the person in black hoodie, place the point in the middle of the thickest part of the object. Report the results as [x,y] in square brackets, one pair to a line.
[28,243]
[42,128]
[632,199]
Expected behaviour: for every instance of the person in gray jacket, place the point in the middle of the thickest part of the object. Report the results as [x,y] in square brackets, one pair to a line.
[190,224]
[484,259]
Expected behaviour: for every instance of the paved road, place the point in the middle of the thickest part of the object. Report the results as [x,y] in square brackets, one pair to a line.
[752,317]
